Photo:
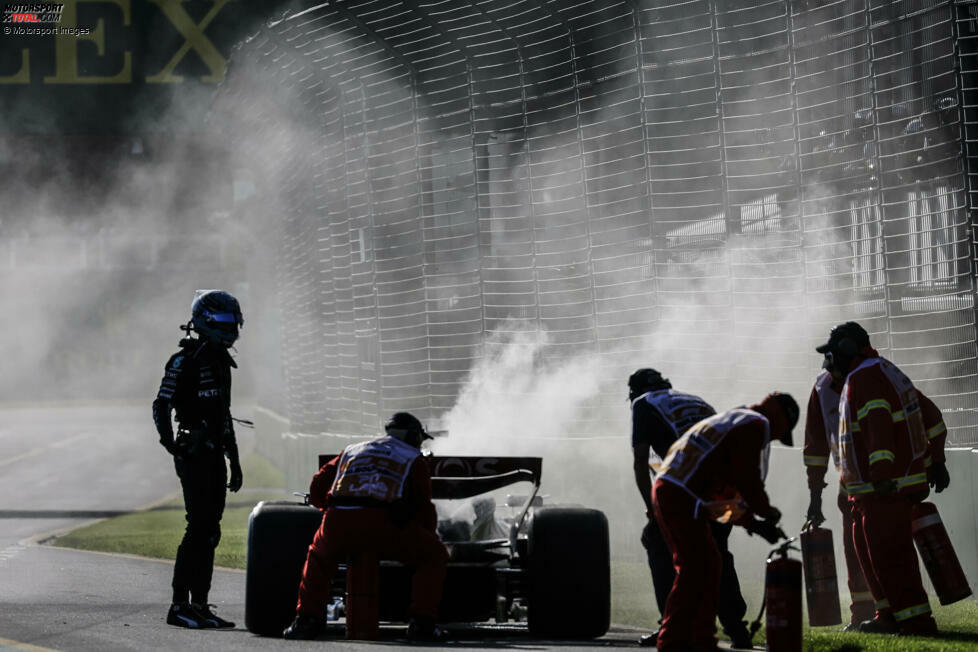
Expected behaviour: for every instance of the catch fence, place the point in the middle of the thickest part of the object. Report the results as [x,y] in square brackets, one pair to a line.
[702,186]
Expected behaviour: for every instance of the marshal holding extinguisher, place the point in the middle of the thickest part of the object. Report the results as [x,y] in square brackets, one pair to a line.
[934,546]
[821,583]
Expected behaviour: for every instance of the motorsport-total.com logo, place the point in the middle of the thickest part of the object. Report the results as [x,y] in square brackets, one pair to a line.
[33,13]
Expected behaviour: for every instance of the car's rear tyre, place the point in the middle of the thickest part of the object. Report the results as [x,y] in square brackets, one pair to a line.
[279,534]
[569,589]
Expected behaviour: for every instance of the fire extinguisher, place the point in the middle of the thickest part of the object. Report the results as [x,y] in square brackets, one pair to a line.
[782,598]
[821,585]
[936,550]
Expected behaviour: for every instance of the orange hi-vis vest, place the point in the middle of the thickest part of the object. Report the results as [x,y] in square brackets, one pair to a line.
[689,451]
[373,472]
[909,414]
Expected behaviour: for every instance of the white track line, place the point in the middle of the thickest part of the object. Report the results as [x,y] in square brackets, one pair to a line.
[42,449]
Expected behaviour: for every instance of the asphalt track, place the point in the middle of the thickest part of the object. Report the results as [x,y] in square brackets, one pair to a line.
[62,467]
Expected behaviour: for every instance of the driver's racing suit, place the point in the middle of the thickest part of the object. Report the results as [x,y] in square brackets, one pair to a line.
[197,385]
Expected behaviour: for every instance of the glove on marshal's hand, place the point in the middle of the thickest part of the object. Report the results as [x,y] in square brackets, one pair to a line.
[938,477]
[773,515]
[767,530]
[814,514]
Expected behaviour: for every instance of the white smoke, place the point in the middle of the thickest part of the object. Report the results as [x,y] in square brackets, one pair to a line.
[515,396]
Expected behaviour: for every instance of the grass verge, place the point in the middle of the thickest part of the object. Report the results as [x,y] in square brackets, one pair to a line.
[157,532]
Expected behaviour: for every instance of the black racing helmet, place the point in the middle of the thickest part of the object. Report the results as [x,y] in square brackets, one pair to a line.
[406,427]
[646,380]
[216,316]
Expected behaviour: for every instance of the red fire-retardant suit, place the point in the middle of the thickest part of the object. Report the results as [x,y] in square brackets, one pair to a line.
[889,433]
[821,442]
[716,463]
[377,497]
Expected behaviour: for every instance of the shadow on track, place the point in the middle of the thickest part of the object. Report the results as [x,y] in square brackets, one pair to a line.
[504,637]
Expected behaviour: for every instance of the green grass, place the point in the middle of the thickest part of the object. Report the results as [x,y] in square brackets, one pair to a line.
[959,633]
[632,603]
[157,532]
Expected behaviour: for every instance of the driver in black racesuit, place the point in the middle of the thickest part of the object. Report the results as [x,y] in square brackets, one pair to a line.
[197,386]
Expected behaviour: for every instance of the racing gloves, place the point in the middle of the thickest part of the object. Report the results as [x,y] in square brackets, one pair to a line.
[170,446]
[237,478]
[230,445]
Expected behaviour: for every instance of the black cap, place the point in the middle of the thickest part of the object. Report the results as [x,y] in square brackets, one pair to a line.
[647,378]
[406,426]
[848,331]
[791,413]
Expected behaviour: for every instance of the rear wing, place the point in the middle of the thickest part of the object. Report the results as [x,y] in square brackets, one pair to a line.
[464,477]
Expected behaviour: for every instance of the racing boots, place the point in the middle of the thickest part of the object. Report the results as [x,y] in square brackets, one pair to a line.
[303,628]
[208,619]
[182,614]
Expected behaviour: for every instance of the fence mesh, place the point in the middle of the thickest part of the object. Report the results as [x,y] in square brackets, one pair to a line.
[702,186]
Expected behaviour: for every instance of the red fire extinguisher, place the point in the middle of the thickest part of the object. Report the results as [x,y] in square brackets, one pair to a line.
[821,585]
[782,599]
[936,550]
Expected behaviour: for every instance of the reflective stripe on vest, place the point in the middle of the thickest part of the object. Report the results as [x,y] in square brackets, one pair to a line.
[910,413]
[374,470]
[828,400]
[689,451]
[910,402]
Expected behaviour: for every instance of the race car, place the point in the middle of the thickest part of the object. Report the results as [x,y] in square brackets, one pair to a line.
[545,564]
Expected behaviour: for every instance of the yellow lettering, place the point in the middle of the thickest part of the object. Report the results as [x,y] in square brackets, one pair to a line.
[193,34]
[22,76]
[66,48]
